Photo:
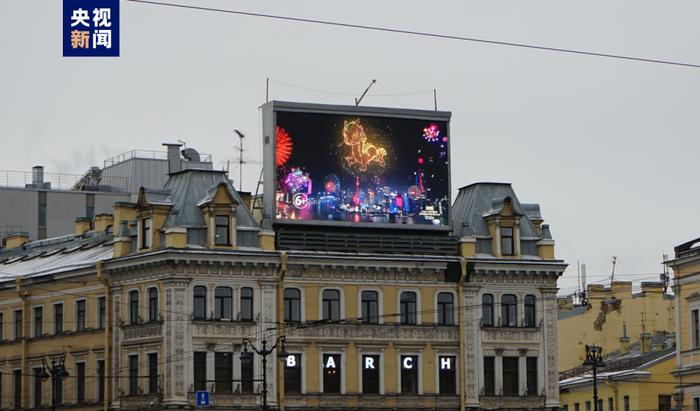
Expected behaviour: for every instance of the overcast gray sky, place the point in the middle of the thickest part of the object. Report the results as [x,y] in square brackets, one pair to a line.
[607,147]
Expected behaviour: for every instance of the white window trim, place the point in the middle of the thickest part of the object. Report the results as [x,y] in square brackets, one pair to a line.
[419,319]
[302,311]
[399,364]
[75,313]
[453,354]
[322,365]
[361,365]
[341,302]
[380,303]
[301,351]
[455,319]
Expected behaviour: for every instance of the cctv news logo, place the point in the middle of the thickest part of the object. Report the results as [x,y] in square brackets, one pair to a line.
[90,28]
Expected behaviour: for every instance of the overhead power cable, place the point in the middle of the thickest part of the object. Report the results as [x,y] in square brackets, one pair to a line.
[419,33]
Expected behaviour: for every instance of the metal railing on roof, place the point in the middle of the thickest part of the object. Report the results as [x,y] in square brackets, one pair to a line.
[62,181]
[147,155]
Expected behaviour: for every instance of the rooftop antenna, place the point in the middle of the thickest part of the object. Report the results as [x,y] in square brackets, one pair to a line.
[612,275]
[240,158]
[358,100]
[665,278]
[584,290]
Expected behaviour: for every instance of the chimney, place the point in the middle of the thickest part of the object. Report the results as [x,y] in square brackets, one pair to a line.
[15,240]
[82,226]
[645,345]
[652,287]
[621,289]
[38,176]
[103,222]
[174,161]
[247,198]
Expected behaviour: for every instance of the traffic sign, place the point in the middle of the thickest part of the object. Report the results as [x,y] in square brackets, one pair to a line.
[202,398]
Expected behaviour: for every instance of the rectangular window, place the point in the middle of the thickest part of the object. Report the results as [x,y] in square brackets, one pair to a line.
[200,371]
[331,373]
[407,307]
[246,304]
[133,374]
[292,305]
[152,304]
[611,404]
[80,315]
[577,407]
[489,376]
[507,240]
[509,310]
[18,324]
[223,303]
[292,374]
[531,364]
[80,381]
[626,403]
[409,374]
[58,318]
[588,406]
[146,233]
[510,376]
[600,405]
[223,372]
[447,374]
[152,373]
[565,407]
[2,326]
[17,380]
[445,307]
[134,307]
[664,403]
[59,391]
[370,307]
[696,328]
[247,376]
[696,404]
[101,312]
[222,230]
[38,321]
[199,297]
[37,387]
[331,305]
[370,374]
[100,380]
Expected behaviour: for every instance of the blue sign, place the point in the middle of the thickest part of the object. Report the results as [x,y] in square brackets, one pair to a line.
[202,398]
[90,28]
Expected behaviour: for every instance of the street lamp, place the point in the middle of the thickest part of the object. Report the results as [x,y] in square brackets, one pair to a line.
[57,371]
[246,359]
[594,359]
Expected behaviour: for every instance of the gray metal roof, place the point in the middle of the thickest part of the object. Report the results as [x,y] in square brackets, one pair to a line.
[479,200]
[191,187]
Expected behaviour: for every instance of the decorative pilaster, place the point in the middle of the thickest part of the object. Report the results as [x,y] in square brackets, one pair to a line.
[550,342]
[116,349]
[176,360]
[472,347]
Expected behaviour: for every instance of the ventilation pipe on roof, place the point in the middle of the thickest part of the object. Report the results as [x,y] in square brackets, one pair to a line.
[174,162]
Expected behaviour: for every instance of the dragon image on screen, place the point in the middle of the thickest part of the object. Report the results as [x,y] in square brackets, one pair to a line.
[361,169]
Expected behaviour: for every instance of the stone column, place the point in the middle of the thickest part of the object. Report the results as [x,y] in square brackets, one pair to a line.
[551,365]
[116,349]
[176,334]
[472,346]
[267,319]
[498,366]
[522,372]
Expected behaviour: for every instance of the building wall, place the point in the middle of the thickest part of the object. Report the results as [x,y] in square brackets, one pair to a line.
[18,210]
[648,312]
[643,393]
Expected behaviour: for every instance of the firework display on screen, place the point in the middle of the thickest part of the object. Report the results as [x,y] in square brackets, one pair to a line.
[361,169]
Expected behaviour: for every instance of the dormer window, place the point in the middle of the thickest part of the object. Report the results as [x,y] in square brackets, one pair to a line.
[223,230]
[146,233]
[507,241]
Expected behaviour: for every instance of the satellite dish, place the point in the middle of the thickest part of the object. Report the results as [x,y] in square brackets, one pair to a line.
[190,154]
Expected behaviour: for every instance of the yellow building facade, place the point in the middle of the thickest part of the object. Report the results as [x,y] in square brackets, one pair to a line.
[686,269]
[166,298]
[614,318]
[646,386]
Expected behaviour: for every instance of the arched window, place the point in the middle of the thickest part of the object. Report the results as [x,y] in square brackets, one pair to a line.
[509,310]
[246,304]
[370,307]
[487,310]
[152,304]
[292,305]
[445,309]
[331,305]
[133,307]
[199,297]
[529,311]
[223,303]
[408,307]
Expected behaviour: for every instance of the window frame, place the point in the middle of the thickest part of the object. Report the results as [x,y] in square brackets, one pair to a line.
[153,315]
[489,386]
[203,301]
[695,327]
[153,379]
[510,238]
[368,319]
[78,386]
[328,301]
[226,387]
[134,309]
[506,320]
[299,358]
[132,374]
[227,227]
[101,312]
[200,365]
[38,326]
[146,233]
[515,390]
[418,371]
[80,325]
[246,300]
[291,300]
[404,318]
[220,304]
[18,324]
[338,360]
[454,371]
[530,310]
[37,387]
[379,369]
[529,378]
[442,311]
[489,307]
[63,318]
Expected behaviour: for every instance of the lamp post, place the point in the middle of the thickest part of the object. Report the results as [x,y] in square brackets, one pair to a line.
[594,359]
[57,371]
[263,352]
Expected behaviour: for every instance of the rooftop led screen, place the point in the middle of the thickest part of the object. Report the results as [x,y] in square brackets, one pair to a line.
[361,169]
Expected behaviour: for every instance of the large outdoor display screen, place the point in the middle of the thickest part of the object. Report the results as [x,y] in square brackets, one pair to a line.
[361,169]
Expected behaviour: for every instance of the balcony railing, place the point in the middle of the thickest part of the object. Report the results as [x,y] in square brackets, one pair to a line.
[147,155]
[375,332]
